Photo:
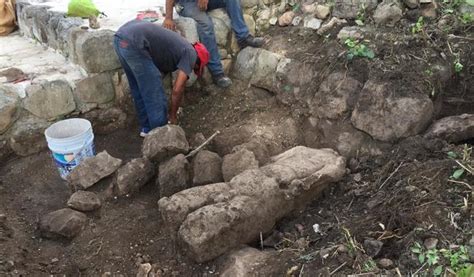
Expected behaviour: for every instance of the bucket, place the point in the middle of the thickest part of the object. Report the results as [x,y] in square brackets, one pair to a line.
[70,142]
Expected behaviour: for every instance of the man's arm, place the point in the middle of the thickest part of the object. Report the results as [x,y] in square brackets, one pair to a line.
[168,23]
[177,96]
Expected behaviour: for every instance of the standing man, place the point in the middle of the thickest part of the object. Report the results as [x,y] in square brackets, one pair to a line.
[197,9]
[146,51]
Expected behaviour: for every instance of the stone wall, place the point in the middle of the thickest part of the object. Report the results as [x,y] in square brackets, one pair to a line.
[100,90]
[86,82]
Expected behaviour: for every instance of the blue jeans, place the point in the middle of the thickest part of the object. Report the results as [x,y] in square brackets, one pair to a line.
[205,27]
[144,79]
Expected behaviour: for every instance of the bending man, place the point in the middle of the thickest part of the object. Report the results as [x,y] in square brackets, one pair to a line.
[197,9]
[146,51]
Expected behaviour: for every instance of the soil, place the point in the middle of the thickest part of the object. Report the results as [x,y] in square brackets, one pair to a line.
[404,196]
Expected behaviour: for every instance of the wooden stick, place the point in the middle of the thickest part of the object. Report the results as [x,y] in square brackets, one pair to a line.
[199,148]
[395,171]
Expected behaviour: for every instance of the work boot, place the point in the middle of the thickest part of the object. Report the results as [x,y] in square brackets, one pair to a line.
[251,41]
[222,81]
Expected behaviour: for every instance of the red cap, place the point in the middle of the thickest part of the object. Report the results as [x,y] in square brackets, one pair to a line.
[203,55]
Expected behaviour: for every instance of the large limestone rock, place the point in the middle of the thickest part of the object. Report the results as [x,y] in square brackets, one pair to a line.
[97,88]
[5,150]
[84,201]
[27,136]
[336,96]
[174,175]
[339,135]
[237,163]
[221,30]
[92,170]
[94,51]
[207,168]
[216,218]
[133,175]
[350,8]
[186,26]
[388,13]
[388,115]
[50,99]
[8,107]
[65,222]
[453,128]
[165,142]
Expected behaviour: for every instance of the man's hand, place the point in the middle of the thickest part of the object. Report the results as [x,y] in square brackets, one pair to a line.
[202,4]
[177,96]
[168,23]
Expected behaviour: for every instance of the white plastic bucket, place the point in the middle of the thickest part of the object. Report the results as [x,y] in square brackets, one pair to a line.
[70,142]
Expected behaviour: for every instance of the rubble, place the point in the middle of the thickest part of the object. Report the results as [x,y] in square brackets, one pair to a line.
[164,142]
[92,170]
[250,203]
[133,175]
[236,163]
[65,222]
[207,168]
[174,175]
[84,201]
[453,128]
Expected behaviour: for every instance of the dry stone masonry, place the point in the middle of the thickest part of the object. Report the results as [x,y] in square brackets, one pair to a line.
[213,219]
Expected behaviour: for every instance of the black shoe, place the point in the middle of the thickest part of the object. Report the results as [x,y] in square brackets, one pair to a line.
[251,41]
[222,81]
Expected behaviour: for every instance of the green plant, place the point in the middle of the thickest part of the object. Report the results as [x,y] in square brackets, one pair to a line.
[464,165]
[466,18]
[360,18]
[444,260]
[358,49]
[369,265]
[457,259]
[419,25]
[458,66]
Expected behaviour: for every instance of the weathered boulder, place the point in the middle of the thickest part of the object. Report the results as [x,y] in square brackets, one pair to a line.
[92,170]
[165,142]
[412,4]
[175,208]
[388,13]
[248,261]
[245,62]
[84,201]
[221,31]
[186,26]
[341,136]
[248,3]
[207,168]
[257,147]
[5,150]
[220,217]
[251,25]
[350,8]
[354,32]
[27,136]
[322,11]
[286,18]
[105,121]
[133,175]
[65,222]
[236,163]
[388,115]
[174,175]
[49,100]
[97,88]
[94,51]
[312,22]
[453,128]
[8,107]
[336,96]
